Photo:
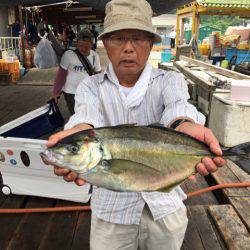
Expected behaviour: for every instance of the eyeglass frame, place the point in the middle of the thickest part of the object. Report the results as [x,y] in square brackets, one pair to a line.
[126,39]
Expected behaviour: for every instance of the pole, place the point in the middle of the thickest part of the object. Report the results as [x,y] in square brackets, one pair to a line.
[21,31]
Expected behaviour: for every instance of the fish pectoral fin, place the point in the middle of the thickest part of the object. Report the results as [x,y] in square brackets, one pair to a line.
[169,188]
[120,165]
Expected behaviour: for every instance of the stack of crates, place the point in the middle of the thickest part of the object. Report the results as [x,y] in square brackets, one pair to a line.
[13,68]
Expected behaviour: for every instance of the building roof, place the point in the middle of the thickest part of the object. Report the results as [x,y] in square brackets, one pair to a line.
[225,3]
[164,20]
[158,6]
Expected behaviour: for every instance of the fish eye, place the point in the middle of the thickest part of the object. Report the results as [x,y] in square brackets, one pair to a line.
[73,149]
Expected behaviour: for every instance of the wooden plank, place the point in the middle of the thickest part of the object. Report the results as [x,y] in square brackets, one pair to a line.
[242,207]
[209,235]
[241,174]
[31,228]
[192,238]
[226,175]
[9,222]
[230,226]
[60,229]
[193,185]
[82,232]
[222,71]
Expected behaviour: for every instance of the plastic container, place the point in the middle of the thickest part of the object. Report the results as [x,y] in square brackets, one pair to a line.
[166,55]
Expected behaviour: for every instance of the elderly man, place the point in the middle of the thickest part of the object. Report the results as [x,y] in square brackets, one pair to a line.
[75,65]
[131,91]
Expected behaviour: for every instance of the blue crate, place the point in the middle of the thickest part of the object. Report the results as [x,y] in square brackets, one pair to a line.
[47,122]
[166,55]
[242,55]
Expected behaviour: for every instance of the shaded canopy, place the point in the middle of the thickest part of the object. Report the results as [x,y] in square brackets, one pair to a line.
[159,6]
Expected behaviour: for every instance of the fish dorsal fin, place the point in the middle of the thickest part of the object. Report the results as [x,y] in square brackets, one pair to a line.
[125,125]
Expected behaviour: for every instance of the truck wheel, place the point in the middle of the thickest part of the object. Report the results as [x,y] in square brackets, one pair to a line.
[6,190]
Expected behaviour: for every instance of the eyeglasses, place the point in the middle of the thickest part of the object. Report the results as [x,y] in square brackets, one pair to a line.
[136,41]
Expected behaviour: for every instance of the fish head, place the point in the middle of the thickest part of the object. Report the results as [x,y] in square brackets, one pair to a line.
[79,156]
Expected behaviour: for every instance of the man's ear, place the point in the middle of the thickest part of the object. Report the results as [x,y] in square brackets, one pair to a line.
[151,44]
[104,43]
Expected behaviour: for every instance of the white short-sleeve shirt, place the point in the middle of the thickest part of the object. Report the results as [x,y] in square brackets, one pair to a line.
[76,71]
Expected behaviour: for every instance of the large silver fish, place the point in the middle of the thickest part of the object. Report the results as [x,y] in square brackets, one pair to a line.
[135,158]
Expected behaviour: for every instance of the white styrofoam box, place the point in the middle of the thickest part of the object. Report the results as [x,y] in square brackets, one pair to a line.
[240,90]
[37,179]
[229,120]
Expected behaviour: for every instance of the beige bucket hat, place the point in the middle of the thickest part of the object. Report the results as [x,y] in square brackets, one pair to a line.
[129,14]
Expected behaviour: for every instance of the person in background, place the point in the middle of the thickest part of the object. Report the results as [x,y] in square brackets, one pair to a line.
[71,36]
[172,36]
[95,34]
[72,71]
[131,91]
[16,29]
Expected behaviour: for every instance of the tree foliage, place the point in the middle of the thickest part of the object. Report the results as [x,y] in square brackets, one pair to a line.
[221,22]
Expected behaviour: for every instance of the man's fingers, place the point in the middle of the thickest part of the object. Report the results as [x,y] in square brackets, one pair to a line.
[209,164]
[212,142]
[219,161]
[61,171]
[192,178]
[215,148]
[79,181]
[70,176]
[53,139]
[202,169]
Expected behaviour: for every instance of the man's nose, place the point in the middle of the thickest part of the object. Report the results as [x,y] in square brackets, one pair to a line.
[128,46]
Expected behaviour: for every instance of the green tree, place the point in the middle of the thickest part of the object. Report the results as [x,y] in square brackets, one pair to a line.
[221,22]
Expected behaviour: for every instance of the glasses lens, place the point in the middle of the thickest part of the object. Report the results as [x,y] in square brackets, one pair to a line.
[135,40]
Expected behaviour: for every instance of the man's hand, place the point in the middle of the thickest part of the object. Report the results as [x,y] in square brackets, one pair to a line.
[67,174]
[201,133]
[55,98]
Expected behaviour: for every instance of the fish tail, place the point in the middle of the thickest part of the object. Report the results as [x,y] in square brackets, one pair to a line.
[240,155]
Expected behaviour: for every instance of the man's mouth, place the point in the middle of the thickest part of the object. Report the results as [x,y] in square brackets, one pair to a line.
[128,62]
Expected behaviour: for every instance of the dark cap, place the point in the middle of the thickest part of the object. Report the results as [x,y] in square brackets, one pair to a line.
[85,35]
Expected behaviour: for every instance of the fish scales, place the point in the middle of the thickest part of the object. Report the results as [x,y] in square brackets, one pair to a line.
[160,156]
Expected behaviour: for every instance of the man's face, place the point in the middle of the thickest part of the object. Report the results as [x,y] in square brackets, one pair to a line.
[128,50]
[84,47]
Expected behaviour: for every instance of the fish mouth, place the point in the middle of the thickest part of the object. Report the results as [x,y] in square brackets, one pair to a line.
[50,158]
